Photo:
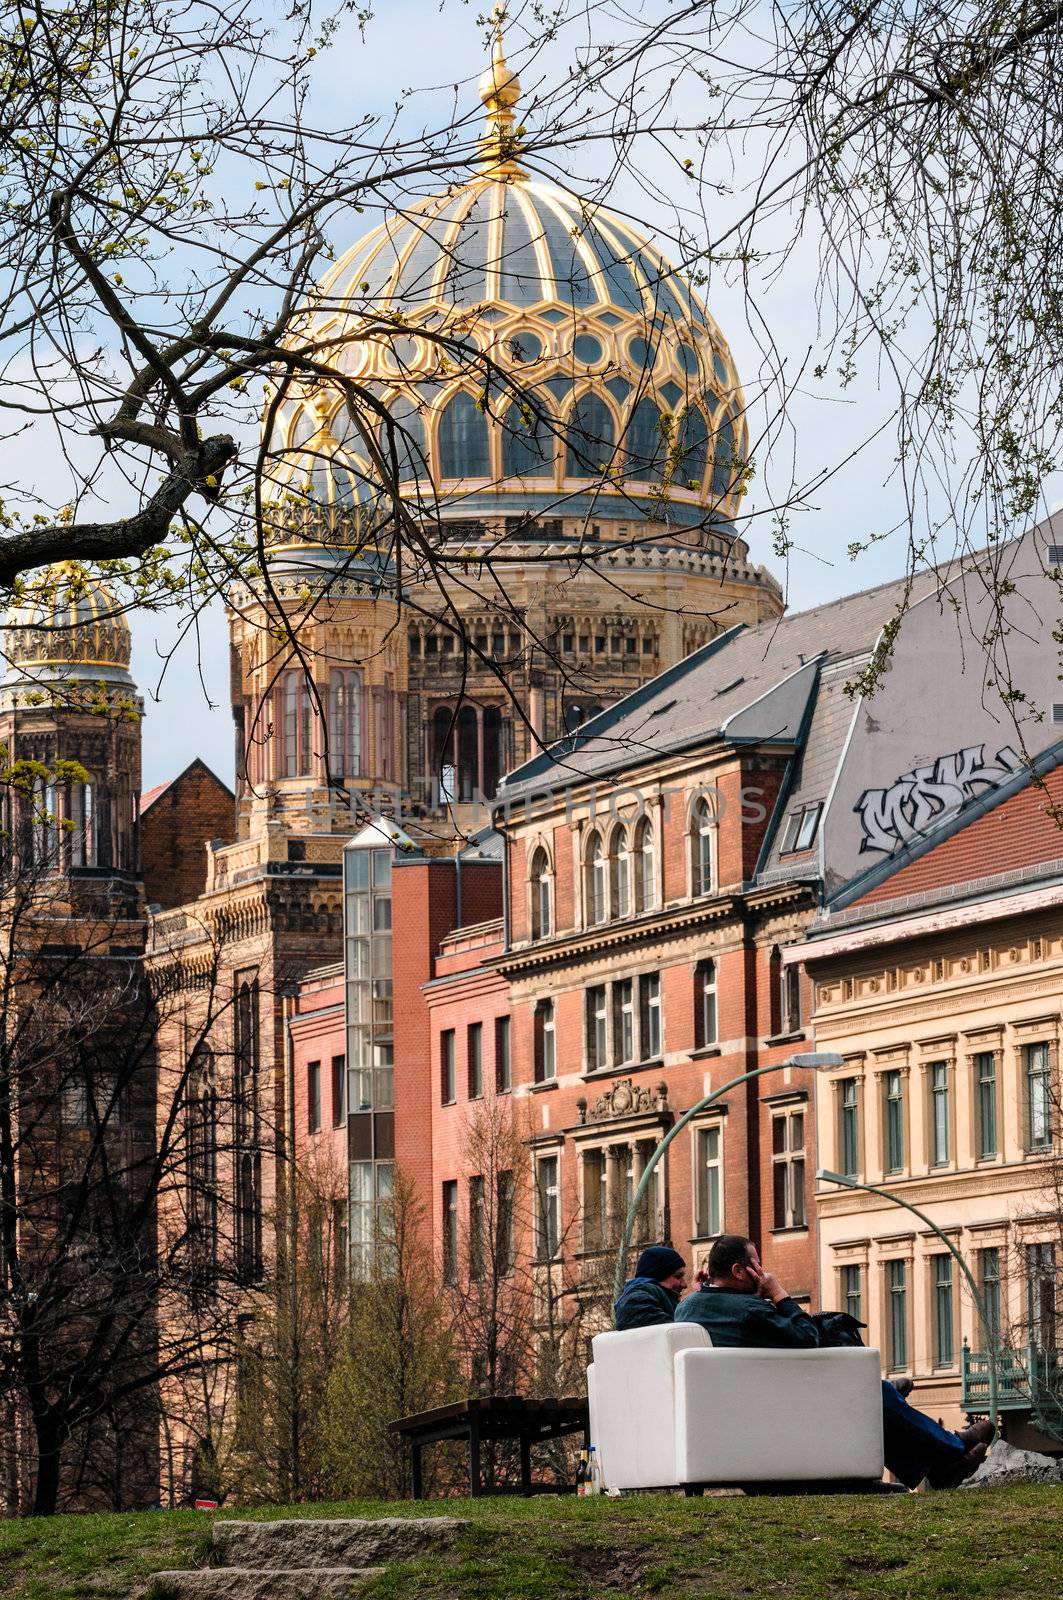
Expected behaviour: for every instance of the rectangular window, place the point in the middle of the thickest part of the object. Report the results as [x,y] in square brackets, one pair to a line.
[313,1096]
[897,1286]
[989,1284]
[850,1128]
[853,1292]
[597,1037]
[450,1230]
[708,1222]
[894,1092]
[939,1113]
[547,1209]
[475,1048]
[448,1083]
[788,1168]
[650,1015]
[545,1059]
[339,1074]
[504,1224]
[476,1227]
[596,1222]
[790,999]
[1038,1097]
[503,1060]
[944,1337]
[985,1074]
[705,1022]
[1041,1295]
[623,1021]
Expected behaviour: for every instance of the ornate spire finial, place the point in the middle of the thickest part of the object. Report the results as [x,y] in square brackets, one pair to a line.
[499,91]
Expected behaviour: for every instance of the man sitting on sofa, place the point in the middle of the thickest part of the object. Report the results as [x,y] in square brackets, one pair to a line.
[742,1305]
[651,1296]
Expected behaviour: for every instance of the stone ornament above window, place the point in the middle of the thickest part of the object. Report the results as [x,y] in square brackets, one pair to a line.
[623,1099]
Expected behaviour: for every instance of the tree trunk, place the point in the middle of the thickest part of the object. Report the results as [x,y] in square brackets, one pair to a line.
[49,1453]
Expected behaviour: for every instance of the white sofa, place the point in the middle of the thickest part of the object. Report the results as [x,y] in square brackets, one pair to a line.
[667,1410]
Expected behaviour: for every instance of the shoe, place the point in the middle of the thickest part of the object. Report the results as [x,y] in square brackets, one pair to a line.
[977,1433]
[967,1464]
[903,1386]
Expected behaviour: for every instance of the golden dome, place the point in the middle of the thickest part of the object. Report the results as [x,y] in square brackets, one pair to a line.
[588,379]
[68,625]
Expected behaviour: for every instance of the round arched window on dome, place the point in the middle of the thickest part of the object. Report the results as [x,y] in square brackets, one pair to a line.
[525,345]
[645,443]
[643,354]
[587,349]
[725,467]
[692,450]
[464,450]
[527,443]
[591,438]
[688,360]
[403,354]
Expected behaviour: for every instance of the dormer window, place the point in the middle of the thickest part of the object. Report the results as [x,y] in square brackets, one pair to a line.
[802,826]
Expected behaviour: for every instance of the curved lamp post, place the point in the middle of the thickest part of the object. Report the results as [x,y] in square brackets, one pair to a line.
[811,1059]
[824,1176]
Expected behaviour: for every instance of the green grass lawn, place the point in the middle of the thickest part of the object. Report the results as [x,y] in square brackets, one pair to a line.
[911,1547]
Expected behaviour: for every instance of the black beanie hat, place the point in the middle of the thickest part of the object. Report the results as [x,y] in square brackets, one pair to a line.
[658,1261]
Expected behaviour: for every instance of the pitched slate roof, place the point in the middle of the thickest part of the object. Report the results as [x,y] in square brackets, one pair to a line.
[749,684]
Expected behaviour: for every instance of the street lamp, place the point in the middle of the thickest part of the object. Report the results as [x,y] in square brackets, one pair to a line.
[824,1176]
[815,1060]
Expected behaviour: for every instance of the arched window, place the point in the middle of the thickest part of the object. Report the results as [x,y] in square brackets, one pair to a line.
[468,752]
[705,1018]
[692,450]
[645,866]
[345,724]
[494,760]
[202,1127]
[591,439]
[619,873]
[645,443]
[724,471]
[540,894]
[293,722]
[443,764]
[702,829]
[81,815]
[527,445]
[464,450]
[407,439]
[595,880]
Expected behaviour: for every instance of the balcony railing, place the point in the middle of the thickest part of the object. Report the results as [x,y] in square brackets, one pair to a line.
[1022,1374]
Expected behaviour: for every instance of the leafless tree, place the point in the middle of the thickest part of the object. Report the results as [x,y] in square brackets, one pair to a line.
[118,1271]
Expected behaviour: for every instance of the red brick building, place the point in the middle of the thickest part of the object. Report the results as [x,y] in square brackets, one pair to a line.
[178,821]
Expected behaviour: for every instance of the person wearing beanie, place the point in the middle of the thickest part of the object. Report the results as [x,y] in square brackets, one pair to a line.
[652,1295]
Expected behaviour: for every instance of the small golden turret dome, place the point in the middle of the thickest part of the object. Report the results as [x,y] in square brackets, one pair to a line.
[67,626]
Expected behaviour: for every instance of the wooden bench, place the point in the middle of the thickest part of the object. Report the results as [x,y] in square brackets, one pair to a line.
[496,1418]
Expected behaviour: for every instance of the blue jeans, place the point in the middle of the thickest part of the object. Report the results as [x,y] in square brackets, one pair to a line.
[915,1447]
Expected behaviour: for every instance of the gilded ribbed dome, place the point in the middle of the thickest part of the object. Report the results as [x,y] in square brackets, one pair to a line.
[588,377]
[68,625]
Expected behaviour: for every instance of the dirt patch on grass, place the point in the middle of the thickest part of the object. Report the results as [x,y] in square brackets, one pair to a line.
[603,1570]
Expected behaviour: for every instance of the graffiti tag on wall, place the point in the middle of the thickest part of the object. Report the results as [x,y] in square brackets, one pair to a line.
[925,796]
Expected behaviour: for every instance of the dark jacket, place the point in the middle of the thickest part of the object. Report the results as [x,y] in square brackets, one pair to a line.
[745,1320]
[644,1303]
